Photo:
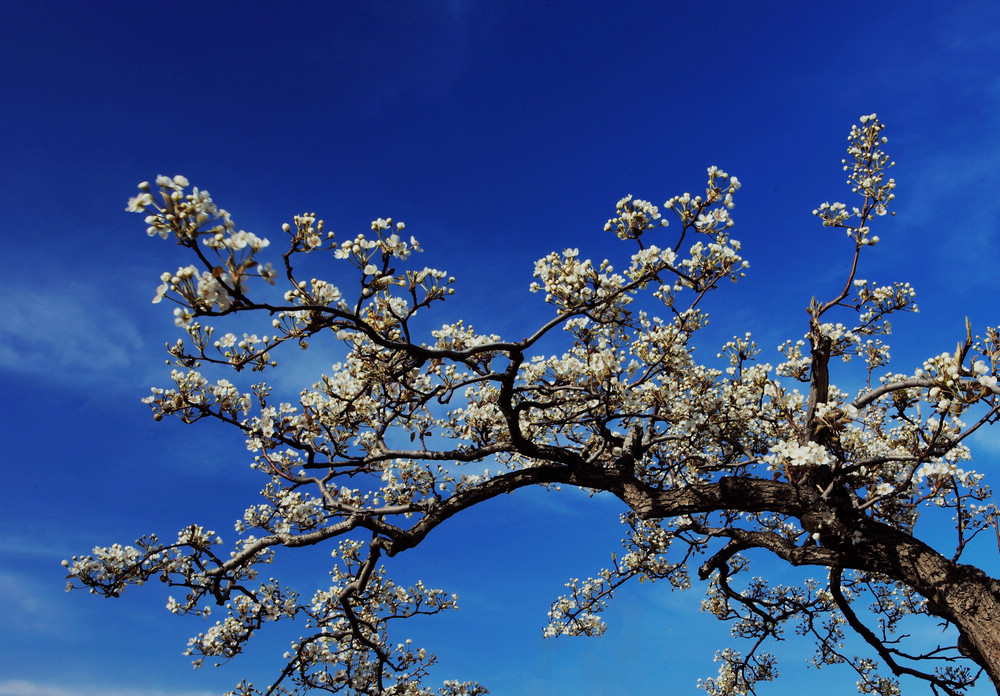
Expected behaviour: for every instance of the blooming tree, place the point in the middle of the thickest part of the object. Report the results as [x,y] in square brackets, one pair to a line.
[714,466]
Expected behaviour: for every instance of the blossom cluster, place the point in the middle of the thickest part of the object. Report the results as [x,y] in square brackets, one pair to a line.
[634,217]
[867,168]
[792,454]
[570,283]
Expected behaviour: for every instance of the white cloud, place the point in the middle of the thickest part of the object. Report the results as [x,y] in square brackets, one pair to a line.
[567,500]
[18,687]
[71,335]
[33,605]
[21,599]
[985,442]
[47,543]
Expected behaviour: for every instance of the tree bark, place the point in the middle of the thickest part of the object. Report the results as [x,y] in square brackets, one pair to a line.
[959,593]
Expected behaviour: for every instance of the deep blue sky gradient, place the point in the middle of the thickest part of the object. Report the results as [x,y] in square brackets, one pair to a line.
[498,131]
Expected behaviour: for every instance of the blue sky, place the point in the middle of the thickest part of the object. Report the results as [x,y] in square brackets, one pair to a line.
[498,131]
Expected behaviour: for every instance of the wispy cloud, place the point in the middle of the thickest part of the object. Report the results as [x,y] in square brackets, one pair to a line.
[70,335]
[41,544]
[17,687]
[568,500]
[985,441]
[20,599]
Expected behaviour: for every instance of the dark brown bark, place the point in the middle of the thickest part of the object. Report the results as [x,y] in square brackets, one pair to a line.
[961,594]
